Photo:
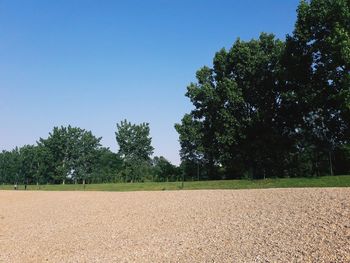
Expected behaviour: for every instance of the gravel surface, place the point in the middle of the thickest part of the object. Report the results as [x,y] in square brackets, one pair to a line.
[272,225]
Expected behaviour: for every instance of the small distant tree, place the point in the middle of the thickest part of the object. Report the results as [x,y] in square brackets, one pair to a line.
[108,165]
[135,148]
[73,151]
[28,168]
[10,166]
[86,152]
[163,170]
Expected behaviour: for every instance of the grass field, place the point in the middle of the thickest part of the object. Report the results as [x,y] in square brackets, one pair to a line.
[325,181]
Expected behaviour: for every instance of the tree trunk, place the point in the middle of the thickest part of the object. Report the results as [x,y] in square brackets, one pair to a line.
[330,163]
[264,171]
[211,169]
[198,171]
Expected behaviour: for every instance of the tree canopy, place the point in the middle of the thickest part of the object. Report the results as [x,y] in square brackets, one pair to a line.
[274,108]
[135,148]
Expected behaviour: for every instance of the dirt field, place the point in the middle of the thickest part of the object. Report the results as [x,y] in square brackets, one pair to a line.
[276,225]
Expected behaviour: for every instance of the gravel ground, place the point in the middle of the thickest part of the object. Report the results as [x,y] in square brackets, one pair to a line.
[272,225]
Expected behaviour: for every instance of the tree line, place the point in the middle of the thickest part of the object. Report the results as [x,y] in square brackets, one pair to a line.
[273,108]
[74,155]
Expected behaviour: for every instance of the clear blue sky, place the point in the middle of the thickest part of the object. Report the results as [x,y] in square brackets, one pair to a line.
[94,63]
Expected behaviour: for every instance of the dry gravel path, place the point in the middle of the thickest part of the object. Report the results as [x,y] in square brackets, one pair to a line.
[272,225]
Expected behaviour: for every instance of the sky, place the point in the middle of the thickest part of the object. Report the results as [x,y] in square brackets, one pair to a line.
[92,63]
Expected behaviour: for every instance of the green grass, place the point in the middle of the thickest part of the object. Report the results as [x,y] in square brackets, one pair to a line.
[325,181]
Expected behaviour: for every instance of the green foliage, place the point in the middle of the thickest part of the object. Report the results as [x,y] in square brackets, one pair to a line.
[273,108]
[73,153]
[134,141]
[135,171]
[9,164]
[68,154]
[317,78]
[135,148]
[233,101]
[190,138]
[107,167]
[164,171]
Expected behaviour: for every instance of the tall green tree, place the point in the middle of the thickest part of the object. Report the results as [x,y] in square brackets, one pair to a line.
[28,167]
[73,152]
[258,138]
[10,167]
[59,147]
[269,108]
[135,148]
[317,61]
[190,137]
[86,152]
[236,102]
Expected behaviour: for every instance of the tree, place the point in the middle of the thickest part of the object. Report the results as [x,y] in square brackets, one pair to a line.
[135,148]
[269,108]
[42,159]
[10,167]
[190,138]
[27,158]
[254,108]
[317,62]
[107,167]
[86,152]
[236,102]
[73,152]
[163,170]
[59,147]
